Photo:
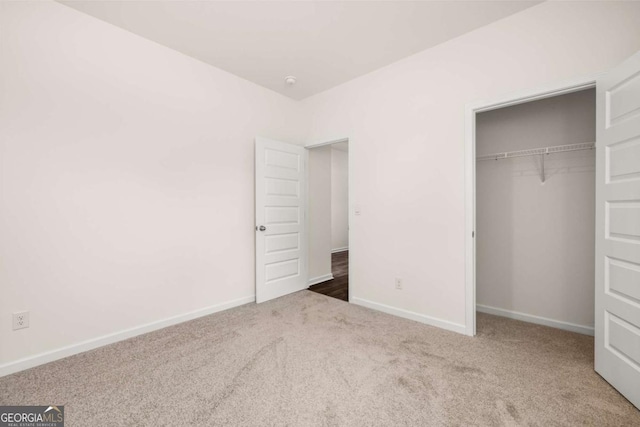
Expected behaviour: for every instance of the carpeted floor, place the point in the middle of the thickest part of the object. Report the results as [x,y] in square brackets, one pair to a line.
[311,360]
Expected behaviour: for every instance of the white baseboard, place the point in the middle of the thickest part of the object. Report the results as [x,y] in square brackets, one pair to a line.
[581,329]
[336,250]
[428,320]
[81,347]
[319,279]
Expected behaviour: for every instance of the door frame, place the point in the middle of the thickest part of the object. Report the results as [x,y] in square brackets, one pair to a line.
[349,195]
[521,97]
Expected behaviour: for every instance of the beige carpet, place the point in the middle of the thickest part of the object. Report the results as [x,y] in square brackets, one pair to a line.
[310,360]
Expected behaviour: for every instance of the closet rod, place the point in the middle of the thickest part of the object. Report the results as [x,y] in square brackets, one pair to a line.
[538,151]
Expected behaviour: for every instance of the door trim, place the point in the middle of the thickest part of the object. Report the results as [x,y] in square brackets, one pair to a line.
[349,141]
[535,94]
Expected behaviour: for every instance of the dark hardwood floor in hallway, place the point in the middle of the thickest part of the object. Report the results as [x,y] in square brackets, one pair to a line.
[338,287]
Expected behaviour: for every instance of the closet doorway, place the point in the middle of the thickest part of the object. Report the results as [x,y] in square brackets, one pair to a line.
[535,212]
[616,231]
[328,219]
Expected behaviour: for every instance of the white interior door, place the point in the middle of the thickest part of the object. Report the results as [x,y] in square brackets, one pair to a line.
[281,243]
[617,331]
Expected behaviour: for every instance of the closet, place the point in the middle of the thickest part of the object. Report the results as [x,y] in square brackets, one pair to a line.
[535,211]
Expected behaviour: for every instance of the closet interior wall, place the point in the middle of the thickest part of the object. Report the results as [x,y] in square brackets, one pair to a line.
[535,241]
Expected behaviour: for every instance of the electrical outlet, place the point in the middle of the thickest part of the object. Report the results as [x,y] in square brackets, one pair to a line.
[398,283]
[20,320]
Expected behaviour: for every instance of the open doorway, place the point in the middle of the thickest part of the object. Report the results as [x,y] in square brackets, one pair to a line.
[535,212]
[329,219]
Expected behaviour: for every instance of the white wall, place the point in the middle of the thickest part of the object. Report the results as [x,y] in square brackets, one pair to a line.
[535,242]
[405,124]
[320,202]
[339,199]
[126,179]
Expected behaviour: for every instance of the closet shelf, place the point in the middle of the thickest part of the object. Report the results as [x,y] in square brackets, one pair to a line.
[538,151]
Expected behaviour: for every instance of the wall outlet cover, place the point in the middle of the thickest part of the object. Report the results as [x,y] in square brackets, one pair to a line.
[20,320]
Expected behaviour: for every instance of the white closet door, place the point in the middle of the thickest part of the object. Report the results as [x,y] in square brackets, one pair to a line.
[617,331]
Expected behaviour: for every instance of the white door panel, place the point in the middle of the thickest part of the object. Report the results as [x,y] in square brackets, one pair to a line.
[617,332]
[281,259]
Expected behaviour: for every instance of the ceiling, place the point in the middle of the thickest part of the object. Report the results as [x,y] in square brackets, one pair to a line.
[322,43]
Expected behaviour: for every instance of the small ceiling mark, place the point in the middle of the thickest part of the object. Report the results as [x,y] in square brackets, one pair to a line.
[290,80]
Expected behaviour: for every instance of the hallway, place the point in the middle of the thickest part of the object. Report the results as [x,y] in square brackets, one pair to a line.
[339,286]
